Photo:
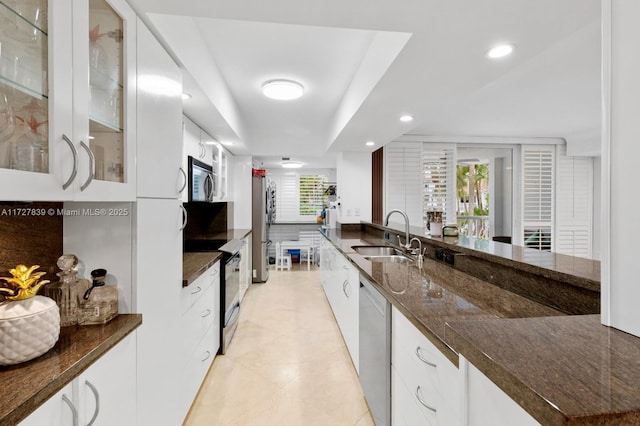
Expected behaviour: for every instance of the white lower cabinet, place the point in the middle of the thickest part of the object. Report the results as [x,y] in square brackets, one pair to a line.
[200,332]
[104,394]
[341,283]
[107,389]
[59,410]
[487,404]
[245,266]
[424,375]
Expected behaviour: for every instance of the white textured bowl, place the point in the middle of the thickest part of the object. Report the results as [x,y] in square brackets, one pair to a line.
[28,328]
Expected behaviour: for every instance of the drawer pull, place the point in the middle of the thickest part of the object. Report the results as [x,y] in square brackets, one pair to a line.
[207,356]
[346,285]
[206,313]
[345,267]
[421,401]
[198,290]
[419,355]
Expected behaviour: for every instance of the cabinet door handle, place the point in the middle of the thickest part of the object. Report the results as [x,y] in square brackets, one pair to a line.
[184,218]
[345,267]
[74,411]
[184,185]
[207,356]
[198,290]
[206,313]
[344,285]
[74,172]
[92,166]
[96,395]
[420,357]
[421,401]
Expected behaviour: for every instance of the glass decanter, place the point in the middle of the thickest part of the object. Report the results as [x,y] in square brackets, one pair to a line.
[67,292]
[99,304]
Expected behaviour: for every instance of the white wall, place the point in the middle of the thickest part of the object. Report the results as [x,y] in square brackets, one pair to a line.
[354,186]
[239,169]
[620,152]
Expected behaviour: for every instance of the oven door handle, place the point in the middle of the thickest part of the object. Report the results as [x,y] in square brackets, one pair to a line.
[235,314]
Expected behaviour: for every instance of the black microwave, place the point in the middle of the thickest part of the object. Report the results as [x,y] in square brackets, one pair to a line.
[202,181]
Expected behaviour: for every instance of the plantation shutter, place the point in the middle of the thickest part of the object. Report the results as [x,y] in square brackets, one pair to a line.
[439,192]
[403,176]
[538,196]
[311,191]
[574,205]
[287,201]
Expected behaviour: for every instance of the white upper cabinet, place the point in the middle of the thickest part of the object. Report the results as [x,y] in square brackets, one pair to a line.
[159,144]
[67,100]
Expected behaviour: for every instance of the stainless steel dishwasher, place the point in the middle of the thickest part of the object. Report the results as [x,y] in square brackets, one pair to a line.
[375,352]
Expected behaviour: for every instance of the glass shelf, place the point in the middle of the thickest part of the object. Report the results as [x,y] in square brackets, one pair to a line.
[25,13]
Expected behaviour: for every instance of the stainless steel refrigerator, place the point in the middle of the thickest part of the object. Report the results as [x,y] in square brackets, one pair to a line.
[261,218]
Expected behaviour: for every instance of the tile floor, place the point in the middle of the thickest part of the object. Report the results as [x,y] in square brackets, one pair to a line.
[287,364]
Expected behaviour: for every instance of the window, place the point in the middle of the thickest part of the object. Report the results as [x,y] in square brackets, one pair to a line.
[299,197]
[311,192]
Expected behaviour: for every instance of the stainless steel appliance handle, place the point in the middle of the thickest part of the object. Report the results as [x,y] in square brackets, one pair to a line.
[74,410]
[97,397]
[74,152]
[421,401]
[208,187]
[235,314]
[184,175]
[419,355]
[184,218]
[92,166]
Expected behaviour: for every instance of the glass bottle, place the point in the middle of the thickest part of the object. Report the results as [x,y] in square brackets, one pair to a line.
[67,292]
[99,303]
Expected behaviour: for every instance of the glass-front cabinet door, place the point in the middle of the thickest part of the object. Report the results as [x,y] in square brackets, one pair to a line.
[104,99]
[67,100]
[36,151]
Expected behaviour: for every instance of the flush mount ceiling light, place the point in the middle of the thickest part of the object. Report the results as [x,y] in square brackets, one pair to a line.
[282,90]
[500,51]
[406,118]
[288,164]
[370,143]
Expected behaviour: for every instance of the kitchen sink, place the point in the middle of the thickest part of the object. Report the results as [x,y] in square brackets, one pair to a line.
[382,254]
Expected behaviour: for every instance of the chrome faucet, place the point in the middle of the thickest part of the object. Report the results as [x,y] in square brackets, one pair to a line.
[417,252]
[406,227]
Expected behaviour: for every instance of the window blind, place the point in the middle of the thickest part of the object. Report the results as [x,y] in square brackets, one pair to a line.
[574,206]
[437,164]
[311,194]
[404,180]
[538,197]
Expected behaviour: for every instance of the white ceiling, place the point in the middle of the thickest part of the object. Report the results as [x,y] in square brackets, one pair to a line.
[363,64]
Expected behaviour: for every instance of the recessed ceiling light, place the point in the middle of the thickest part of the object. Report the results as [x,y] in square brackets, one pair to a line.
[186,96]
[500,51]
[406,118]
[291,164]
[282,90]
[211,143]
[370,143]
[227,143]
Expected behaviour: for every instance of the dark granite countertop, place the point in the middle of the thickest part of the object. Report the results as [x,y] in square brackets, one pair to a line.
[574,270]
[195,263]
[567,370]
[562,369]
[27,385]
[431,297]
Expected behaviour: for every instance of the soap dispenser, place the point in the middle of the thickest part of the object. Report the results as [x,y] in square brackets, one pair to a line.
[99,304]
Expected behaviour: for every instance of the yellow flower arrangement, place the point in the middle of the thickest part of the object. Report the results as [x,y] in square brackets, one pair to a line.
[24,283]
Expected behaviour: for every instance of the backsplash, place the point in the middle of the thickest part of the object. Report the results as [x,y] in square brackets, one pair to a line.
[207,219]
[31,235]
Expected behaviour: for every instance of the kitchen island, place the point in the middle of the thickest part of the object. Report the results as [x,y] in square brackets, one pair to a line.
[561,369]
